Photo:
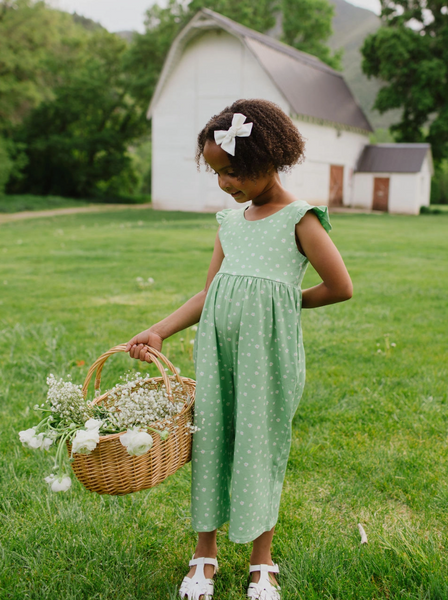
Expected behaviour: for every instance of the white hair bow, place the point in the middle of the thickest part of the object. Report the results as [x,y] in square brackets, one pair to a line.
[226,139]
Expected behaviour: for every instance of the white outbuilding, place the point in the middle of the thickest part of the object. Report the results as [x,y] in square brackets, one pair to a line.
[394,178]
[215,61]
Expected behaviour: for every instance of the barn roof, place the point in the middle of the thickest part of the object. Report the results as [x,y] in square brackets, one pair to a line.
[312,88]
[393,158]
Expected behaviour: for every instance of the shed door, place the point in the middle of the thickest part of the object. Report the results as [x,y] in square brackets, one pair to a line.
[336,185]
[380,194]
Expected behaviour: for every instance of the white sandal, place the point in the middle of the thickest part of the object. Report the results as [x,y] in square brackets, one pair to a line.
[263,589]
[194,587]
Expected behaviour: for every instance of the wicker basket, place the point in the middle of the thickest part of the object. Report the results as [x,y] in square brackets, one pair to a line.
[109,469]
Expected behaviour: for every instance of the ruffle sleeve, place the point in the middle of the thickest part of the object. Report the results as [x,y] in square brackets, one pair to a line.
[220,216]
[321,213]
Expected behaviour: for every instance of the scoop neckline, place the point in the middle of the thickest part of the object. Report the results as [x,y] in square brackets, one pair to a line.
[264,218]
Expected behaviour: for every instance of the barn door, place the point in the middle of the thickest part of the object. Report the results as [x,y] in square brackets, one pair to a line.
[381,194]
[336,185]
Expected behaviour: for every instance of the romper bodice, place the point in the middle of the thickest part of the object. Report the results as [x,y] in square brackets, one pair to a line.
[267,247]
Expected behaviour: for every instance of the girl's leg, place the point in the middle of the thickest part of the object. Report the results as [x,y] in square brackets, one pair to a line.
[261,554]
[206,547]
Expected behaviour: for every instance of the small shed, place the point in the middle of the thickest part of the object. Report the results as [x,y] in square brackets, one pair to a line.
[393,178]
[215,61]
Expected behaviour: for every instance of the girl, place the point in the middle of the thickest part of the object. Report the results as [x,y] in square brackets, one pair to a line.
[248,354]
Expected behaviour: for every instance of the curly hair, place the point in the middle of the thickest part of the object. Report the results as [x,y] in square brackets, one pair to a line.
[274,142]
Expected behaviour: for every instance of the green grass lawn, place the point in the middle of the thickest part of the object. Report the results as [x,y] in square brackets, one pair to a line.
[369,437]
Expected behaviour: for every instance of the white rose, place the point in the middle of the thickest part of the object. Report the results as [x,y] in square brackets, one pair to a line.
[36,442]
[46,443]
[136,442]
[85,441]
[59,484]
[93,424]
[26,435]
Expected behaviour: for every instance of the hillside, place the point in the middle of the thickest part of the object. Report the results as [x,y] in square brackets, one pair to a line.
[351,25]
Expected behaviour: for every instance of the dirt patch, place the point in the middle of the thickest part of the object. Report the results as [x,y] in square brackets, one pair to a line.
[56,212]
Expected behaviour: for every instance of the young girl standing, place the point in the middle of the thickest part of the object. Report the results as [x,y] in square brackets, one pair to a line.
[248,354]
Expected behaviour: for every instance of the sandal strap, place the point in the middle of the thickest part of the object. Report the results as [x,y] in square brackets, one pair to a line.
[264,568]
[204,561]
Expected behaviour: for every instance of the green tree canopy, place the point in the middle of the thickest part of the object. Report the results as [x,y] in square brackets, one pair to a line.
[32,38]
[409,53]
[79,139]
[307,25]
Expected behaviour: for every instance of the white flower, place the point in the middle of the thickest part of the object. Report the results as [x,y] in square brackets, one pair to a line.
[30,440]
[46,443]
[59,484]
[194,328]
[85,441]
[93,424]
[150,280]
[191,341]
[27,435]
[136,441]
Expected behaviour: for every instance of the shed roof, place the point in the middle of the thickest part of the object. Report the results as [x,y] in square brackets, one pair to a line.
[393,158]
[312,88]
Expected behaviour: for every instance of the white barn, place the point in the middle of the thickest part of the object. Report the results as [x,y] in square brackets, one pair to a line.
[394,178]
[215,61]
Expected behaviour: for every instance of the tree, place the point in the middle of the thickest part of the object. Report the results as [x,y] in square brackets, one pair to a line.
[30,34]
[307,25]
[78,140]
[34,42]
[409,53]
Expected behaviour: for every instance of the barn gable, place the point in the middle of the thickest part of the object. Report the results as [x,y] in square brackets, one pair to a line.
[311,88]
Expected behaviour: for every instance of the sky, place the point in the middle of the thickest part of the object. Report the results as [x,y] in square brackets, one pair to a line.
[116,15]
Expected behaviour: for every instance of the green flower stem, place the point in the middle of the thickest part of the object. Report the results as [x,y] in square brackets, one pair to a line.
[59,451]
[41,423]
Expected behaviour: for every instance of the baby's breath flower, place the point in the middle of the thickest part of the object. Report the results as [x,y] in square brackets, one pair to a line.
[66,400]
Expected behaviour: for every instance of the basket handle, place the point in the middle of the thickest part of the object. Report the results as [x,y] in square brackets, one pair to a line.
[155,356]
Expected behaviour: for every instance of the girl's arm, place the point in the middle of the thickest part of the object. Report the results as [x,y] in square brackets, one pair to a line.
[185,316]
[317,246]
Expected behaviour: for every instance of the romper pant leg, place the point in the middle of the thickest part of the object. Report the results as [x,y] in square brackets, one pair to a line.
[268,385]
[213,445]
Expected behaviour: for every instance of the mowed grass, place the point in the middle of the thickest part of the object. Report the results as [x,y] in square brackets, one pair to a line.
[369,437]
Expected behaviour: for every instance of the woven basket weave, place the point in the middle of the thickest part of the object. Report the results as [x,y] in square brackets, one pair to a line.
[109,469]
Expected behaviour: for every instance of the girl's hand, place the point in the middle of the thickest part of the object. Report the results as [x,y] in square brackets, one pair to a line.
[137,345]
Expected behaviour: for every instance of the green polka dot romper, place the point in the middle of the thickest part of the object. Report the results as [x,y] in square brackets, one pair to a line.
[250,372]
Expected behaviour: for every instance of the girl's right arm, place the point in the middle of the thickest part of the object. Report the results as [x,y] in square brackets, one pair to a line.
[185,316]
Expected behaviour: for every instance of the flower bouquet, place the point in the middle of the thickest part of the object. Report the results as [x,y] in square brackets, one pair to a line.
[125,440]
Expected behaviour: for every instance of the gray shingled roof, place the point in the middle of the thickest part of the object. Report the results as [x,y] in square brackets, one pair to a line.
[392,158]
[312,88]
